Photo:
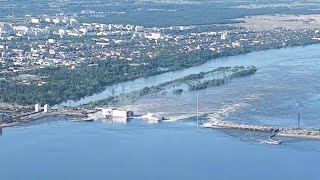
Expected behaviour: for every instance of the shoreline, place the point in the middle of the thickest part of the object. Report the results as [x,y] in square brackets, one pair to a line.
[25,119]
[280,132]
[11,124]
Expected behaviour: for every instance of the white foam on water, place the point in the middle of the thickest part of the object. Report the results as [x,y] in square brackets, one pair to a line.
[228,109]
[173,118]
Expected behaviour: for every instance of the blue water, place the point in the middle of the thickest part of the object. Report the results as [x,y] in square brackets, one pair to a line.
[68,150]
[287,82]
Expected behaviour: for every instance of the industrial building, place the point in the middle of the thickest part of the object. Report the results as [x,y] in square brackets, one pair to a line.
[224,35]
[35,20]
[153,35]
[116,113]
[39,108]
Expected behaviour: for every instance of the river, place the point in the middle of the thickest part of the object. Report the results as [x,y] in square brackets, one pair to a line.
[100,150]
[286,83]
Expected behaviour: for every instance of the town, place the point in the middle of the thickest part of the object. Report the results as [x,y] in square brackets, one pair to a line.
[53,53]
[61,40]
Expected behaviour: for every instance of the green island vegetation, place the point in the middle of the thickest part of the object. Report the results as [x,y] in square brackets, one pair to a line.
[237,72]
[193,82]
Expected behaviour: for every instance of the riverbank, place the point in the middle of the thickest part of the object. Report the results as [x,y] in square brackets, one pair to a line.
[25,118]
[109,72]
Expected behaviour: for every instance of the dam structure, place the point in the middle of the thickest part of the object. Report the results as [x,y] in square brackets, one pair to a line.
[230,125]
[277,131]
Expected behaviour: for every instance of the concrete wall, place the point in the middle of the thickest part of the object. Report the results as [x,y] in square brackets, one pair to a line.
[106,112]
[119,113]
[120,120]
[116,113]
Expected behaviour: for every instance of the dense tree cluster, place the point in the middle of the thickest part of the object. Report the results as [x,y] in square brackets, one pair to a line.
[177,91]
[64,83]
[238,72]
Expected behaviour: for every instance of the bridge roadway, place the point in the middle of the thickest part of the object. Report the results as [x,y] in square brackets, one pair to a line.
[229,125]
